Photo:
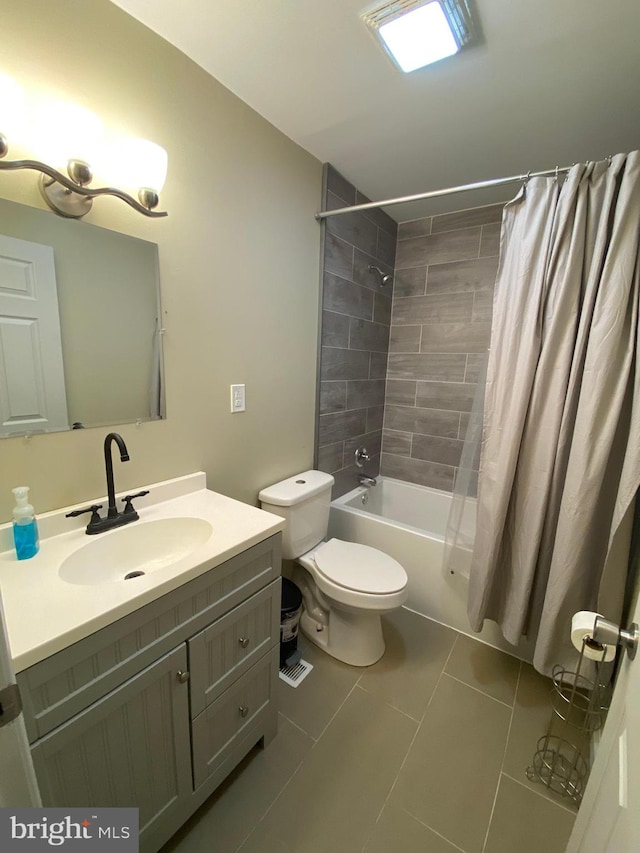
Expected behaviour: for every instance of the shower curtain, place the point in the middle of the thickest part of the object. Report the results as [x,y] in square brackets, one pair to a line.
[560,452]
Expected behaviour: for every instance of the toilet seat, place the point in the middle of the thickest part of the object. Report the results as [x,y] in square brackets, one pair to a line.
[359,568]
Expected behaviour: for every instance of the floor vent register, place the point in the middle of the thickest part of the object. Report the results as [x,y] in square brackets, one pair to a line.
[296,673]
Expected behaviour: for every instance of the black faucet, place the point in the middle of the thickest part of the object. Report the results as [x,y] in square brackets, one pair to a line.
[113,517]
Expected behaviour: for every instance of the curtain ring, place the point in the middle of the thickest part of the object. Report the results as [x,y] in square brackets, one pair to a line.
[557,171]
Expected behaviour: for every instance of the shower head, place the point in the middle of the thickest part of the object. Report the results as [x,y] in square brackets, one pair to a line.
[385,278]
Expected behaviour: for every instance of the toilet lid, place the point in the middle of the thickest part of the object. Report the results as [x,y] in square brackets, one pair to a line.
[359,567]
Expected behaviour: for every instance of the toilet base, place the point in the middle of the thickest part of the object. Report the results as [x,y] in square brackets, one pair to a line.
[351,637]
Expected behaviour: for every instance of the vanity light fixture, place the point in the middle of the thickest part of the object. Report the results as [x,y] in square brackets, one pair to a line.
[415,33]
[74,136]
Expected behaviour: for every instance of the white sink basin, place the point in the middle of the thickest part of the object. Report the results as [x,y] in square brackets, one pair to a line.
[138,549]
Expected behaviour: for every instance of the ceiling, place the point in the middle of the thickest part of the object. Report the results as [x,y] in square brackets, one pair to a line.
[552,82]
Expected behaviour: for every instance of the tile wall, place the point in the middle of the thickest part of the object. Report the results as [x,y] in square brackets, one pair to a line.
[445,271]
[356,320]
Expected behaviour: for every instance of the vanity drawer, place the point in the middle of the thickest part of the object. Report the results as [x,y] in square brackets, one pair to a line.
[64,684]
[220,727]
[227,649]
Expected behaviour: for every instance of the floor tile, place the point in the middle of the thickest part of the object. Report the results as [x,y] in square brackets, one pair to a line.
[398,830]
[417,650]
[486,668]
[532,716]
[227,817]
[524,821]
[454,764]
[313,703]
[334,799]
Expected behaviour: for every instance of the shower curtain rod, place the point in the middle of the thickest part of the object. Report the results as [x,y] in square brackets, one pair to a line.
[479,185]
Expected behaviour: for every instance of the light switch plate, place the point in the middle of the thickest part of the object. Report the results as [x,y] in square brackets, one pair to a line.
[237,399]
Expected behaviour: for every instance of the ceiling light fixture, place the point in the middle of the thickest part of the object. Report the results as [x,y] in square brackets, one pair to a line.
[415,33]
[71,137]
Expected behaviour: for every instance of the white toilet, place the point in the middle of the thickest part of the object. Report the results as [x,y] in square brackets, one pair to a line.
[345,586]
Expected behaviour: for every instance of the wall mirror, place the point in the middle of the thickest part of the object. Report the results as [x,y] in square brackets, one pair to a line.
[80,325]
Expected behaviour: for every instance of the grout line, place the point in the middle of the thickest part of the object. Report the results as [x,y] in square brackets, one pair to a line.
[540,793]
[295,725]
[504,755]
[481,692]
[431,829]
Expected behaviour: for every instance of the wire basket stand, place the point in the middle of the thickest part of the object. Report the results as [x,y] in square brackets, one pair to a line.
[579,705]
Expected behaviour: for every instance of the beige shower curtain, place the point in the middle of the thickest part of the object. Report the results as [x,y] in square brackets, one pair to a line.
[560,455]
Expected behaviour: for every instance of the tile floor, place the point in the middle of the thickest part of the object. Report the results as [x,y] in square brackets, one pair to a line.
[425,751]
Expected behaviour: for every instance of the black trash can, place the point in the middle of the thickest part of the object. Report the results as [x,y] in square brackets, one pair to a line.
[290,610]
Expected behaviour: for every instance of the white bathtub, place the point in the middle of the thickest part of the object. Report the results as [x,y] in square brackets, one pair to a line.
[408,522]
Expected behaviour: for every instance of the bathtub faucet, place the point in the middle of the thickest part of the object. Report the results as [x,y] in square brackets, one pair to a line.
[366,481]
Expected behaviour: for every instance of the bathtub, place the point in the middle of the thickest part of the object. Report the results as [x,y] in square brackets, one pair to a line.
[408,522]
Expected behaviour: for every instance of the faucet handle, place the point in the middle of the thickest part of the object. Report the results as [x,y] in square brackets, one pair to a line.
[93,509]
[128,506]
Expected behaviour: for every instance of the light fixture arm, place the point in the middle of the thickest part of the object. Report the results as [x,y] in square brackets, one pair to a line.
[74,208]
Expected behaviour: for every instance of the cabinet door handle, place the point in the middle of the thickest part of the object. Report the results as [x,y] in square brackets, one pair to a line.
[183,677]
[243,710]
[244,642]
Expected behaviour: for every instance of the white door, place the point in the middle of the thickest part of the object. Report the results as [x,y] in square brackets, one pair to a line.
[18,786]
[32,390]
[609,816]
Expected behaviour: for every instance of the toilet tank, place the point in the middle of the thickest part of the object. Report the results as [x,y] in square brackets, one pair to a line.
[304,501]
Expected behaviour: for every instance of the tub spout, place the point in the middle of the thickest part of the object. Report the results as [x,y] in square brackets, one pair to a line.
[366,481]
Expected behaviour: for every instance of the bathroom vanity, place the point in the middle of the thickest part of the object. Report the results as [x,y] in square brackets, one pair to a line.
[158,704]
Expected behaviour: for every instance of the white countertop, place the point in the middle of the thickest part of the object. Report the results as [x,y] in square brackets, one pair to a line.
[45,614]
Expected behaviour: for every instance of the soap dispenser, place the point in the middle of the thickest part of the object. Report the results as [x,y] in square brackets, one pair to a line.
[25,526]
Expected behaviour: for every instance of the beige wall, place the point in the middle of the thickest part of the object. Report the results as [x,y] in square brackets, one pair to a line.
[239,259]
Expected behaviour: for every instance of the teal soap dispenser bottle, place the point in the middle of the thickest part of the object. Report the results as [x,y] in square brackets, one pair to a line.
[25,526]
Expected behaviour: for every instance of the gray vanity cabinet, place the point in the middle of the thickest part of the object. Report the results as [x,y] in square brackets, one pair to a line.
[156,709]
[131,747]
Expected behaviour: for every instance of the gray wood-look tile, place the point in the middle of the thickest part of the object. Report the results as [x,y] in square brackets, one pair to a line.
[335,330]
[338,256]
[457,396]
[356,229]
[398,443]
[405,338]
[382,308]
[365,335]
[439,248]
[414,228]
[377,215]
[330,457]
[465,218]
[402,392]
[362,393]
[378,365]
[333,397]
[455,338]
[423,421]
[470,275]
[455,798]
[490,242]
[417,471]
[475,362]
[386,249]
[344,297]
[433,309]
[464,424]
[482,307]
[341,425]
[410,282]
[439,366]
[343,364]
[432,448]
[375,418]
[340,186]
